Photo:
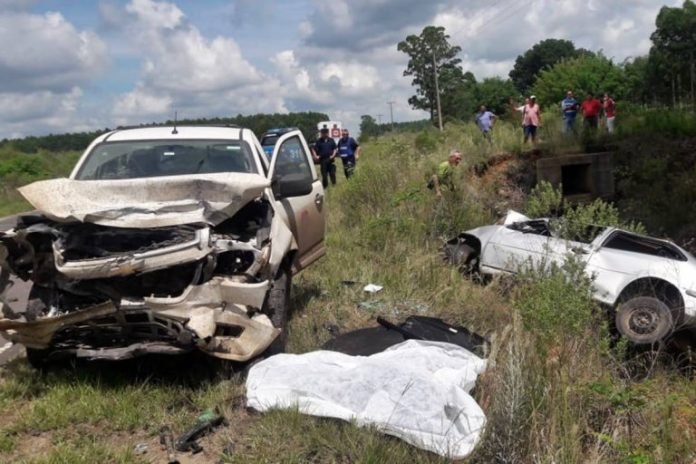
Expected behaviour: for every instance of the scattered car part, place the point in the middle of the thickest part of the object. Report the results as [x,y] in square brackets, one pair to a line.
[368,341]
[167,442]
[205,423]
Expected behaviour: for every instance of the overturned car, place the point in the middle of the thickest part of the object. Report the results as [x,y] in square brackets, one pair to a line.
[165,240]
[650,283]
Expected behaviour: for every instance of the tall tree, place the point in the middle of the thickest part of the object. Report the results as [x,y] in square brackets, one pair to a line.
[674,48]
[541,56]
[430,53]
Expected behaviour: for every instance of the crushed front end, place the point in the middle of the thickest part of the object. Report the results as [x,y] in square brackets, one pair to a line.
[110,292]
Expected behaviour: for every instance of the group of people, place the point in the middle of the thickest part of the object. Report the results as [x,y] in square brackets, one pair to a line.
[592,110]
[326,149]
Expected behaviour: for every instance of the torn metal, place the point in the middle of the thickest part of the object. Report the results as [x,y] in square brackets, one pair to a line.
[128,267]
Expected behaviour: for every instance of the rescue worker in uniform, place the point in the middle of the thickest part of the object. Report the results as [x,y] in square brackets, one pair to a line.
[349,151]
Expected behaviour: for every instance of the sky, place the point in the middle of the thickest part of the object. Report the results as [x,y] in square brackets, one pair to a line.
[77,65]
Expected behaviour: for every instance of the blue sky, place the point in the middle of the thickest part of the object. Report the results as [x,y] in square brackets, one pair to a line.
[73,65]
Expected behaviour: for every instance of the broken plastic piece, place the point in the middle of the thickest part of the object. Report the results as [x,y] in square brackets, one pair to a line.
[372,288]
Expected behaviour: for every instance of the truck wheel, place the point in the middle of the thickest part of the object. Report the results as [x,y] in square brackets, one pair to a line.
[644,320]
[277,308]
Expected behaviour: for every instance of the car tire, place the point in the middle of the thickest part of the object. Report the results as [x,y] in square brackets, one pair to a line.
[644,320]
[37,358]
[462,256]
[277,308]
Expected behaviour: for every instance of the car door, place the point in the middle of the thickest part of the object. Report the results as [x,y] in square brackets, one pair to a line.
[513,250]
[300,195]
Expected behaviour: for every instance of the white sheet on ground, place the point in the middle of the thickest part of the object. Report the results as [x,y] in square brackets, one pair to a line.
[416,390]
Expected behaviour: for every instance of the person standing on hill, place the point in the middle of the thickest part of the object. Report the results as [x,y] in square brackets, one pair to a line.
[609,106]
[445,173]
[324,153]
[591,107]
[569,107]
[531,119]
[485,120]
[349,151]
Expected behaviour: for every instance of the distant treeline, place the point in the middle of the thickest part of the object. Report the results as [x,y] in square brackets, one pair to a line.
[371,128]
[259,123]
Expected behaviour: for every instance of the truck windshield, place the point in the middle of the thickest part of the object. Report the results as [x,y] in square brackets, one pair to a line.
[153,158]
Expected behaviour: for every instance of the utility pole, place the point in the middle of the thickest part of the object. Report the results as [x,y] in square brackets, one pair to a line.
[379,118]
[391,112]
[437,93]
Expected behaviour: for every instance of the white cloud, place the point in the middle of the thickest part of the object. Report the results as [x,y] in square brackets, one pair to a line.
[156,14]
[47,52]
[39,112]
[185,71]
[44,63]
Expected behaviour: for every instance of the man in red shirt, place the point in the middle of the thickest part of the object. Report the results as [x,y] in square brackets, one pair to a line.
[591,107]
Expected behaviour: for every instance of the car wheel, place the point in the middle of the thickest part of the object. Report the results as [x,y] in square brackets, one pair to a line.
[37,357]
[644,320]
[277,308]
[461,255]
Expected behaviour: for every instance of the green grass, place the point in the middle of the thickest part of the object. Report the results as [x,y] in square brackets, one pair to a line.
[566,398]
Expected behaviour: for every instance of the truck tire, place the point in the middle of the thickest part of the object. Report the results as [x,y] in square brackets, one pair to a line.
[277,308]
[644,320]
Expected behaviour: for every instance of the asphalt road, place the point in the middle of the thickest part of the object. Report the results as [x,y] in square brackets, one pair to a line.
[16,297]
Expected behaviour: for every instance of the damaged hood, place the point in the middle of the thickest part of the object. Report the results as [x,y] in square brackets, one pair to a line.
[146,202]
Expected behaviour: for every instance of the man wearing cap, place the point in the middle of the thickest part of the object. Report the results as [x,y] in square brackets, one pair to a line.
[569,107]
[349,151]
[324,153]
[531,119]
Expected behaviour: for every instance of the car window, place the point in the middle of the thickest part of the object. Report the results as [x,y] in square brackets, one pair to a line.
[292,162]
[534,226]
[643,245]
[131,160]
[269,140]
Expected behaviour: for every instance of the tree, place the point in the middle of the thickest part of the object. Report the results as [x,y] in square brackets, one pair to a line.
[430,53]
[585,74]
[368,127]
[495,93]
[541,56]
[674,48]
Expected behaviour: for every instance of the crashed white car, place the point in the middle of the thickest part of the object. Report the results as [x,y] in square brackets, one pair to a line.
[166,240]
[651,283]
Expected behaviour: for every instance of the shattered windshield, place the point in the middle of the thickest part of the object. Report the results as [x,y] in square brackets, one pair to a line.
[148,158]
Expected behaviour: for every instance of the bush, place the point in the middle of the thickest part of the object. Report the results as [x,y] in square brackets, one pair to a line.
[574,221]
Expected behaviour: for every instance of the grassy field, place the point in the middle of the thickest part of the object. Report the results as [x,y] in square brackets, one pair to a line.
[558,389]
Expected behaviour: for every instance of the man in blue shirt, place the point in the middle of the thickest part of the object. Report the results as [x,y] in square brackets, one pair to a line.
[324,153]
[485,120]
[349,151]
[569,107]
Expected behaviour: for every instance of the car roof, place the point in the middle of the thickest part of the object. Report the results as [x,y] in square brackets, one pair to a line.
[279,130]
[168,133]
